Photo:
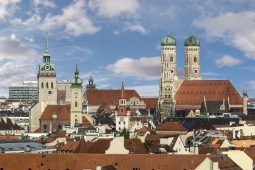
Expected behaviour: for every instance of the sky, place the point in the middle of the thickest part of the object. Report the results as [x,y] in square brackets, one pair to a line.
[119,40]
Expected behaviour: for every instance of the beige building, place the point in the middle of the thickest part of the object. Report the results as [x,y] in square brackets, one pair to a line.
[47,85]
[192,59]
[76,99]
[168,76]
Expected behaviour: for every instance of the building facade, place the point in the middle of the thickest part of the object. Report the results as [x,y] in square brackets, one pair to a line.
[192,59]
[168,77]
[76,99]
[27,91]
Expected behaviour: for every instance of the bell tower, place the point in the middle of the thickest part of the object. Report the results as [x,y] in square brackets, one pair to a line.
[168,77]
[76,99]
[192,59]
[47,83]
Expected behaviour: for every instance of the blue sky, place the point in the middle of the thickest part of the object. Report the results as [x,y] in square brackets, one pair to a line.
[118,40]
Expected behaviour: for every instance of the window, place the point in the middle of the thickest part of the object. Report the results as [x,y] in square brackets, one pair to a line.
[195,71]
[42,85]
[195,59]
[76,104]
[172,71]
[59,127]
[52,85]
[44,126]
[47,85]
[171,59]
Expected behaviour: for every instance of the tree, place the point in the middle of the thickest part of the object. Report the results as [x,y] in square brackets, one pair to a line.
[125,133]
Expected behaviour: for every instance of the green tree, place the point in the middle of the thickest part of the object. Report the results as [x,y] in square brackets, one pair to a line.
[125,133]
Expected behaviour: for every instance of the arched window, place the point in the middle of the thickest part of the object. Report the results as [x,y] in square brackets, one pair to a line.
[47,85]
[76,104]
[42,85]
[52,85]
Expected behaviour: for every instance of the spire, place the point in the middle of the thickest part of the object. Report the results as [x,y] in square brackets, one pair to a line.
[76,72]
[122,96]
[46,53]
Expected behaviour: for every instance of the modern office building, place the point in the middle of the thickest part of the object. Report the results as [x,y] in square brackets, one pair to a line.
[27,91]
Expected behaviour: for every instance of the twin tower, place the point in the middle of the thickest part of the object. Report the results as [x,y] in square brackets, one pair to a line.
[169,75]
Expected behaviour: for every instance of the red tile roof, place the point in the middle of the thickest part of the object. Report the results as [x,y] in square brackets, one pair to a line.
[62,111]
[151,103]
[86,122]
[98,96]
[192,92]
[91,161]
[170,126]
[70,146]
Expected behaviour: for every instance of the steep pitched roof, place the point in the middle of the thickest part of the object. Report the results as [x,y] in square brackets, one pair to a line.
[7,124]
[170,126]
[151,103]
[62,111]
[193,92]
[109,96]
[122,94]
[135,146]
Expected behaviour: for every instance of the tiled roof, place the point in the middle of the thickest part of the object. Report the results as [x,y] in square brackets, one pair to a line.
[152,137]
[86,122]
[225,163]
[70,146]
[62,111]
[135,146]
[151,103]
[193,92]
[91,161]
[170,126]
[109,96]
[9,138]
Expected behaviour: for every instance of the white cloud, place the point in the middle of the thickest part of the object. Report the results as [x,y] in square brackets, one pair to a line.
[135,28]
[7,7]
[114,8]
[73,18]
[147,68]
[235,29]
[44,3]
[146,90]
[17,63]
[228,61]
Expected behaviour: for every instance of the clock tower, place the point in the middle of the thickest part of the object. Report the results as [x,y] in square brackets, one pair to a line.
[47,83]
[76,99]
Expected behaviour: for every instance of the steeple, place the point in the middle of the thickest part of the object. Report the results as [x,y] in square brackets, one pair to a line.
[76,72]
[122,95]
[46,53]
[91,84]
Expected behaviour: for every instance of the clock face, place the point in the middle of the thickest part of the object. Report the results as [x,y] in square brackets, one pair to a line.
[122,119]
[50,92]
[47,67]
[75,93]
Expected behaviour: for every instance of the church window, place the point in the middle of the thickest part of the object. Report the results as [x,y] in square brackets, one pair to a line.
[195,59]
[195,71]
[44,126]
[42,85]
[76,104]
[59,127]
[52,85]
[47,85]
[171,59]
[172,71]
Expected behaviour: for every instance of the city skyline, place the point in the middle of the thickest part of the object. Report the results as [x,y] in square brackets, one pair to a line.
[115,44]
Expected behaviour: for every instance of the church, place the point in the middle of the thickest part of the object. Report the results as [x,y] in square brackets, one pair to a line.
[192,96]
[60,103]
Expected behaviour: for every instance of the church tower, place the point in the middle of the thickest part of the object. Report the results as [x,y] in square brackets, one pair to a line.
[47,83]
[91,84]
[192,59]
[168,77]
[76,99]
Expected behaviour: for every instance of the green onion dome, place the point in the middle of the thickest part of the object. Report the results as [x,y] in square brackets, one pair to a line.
[192,41]
[168,40]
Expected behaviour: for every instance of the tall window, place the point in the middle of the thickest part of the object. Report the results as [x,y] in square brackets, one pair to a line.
[171,59]
[47,85]
[42,85]
[76,104]
[52,85]
[195,59]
